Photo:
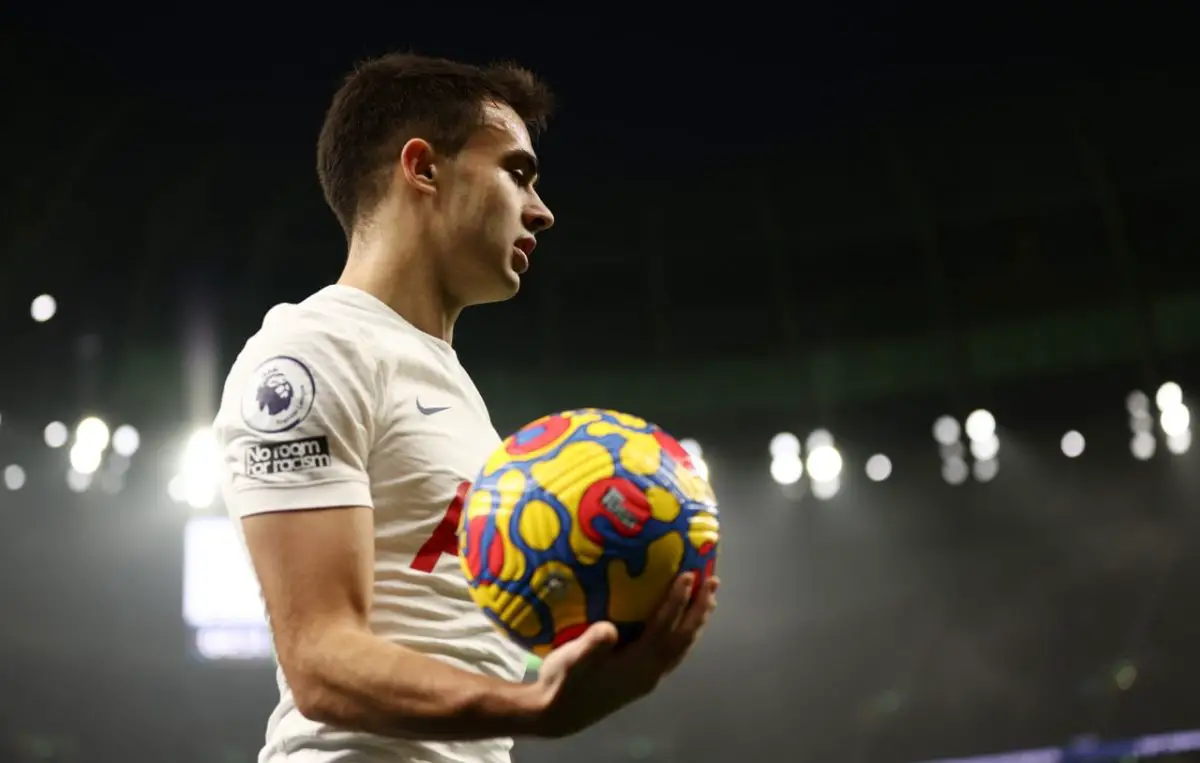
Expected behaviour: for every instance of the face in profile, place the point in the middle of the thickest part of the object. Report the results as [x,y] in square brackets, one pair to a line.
[490,211]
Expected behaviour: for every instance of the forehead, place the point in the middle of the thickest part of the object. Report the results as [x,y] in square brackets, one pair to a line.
[502,130]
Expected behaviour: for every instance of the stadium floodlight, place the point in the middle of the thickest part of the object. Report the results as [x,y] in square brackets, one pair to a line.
[199,475]
[826,489]
[946,430]
[92,433]
[1175,420]
[43,308]
[1143,446]
[14,477]
[84,458]
[785,445]
[1180,443]
[816,439]
[985,449]
[126,441]
[954,471]
[980,425]
[879,467]
[56,434]
[78,481]
[1072,444]
[787,470]
[824,463]
[1138,404]
[985,470]
[1169,395]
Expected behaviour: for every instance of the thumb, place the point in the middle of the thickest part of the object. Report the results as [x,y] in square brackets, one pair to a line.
[598,640]
[600,637]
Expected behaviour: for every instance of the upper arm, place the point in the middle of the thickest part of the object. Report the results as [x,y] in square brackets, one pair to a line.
[295,429]
[316,571]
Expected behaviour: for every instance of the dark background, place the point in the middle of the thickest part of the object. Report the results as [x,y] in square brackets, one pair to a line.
[857,217]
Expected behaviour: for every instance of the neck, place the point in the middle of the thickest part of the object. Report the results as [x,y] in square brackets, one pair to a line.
[405,278]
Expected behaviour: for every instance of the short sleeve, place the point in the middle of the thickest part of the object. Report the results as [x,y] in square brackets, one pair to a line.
[296,423]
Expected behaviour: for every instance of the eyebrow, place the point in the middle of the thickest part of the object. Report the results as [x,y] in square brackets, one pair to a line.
[525,159]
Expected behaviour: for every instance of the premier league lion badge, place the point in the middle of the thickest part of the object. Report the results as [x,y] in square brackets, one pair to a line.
[278,396]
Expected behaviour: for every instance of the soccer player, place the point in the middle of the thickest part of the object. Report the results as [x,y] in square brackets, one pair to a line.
[350,431]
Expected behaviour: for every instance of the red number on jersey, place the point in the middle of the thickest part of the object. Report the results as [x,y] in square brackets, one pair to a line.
[445,536]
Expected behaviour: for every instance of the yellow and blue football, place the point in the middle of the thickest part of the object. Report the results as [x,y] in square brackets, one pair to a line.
[581,517]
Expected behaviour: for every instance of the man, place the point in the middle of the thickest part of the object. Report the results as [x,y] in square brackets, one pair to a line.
[349,430]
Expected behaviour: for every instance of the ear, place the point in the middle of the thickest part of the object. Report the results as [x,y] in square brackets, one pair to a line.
[417,167]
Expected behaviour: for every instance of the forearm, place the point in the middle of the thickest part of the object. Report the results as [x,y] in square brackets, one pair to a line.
[356,680]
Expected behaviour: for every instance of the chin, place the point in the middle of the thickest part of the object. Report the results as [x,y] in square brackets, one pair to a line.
[500,291]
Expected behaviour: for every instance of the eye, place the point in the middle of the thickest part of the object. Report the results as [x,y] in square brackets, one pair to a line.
[520,176]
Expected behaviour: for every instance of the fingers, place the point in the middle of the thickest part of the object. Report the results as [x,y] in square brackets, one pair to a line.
[666,619]
[701,607]
[691,624]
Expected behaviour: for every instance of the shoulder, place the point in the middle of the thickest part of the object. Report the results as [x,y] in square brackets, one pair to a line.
[302,355]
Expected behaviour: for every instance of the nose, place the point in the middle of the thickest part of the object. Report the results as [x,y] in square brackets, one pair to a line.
[537,217]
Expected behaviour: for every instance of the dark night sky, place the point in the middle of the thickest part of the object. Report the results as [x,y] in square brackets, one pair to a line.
[160,164]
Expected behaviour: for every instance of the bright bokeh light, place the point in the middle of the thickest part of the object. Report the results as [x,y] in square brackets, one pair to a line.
[1072,444]
[985,471]
[56,434]
[1175,420]
[785,445]
[985,449]
[817,439]
[787,469]
[879,467]
[1138,404]
[824,463]
[1141,423]
[1179,444]
[43,308]
[1169,395]
[126,441]
[84,459]
[980,425]
[701,467]
[823,490]
[92,433]
[14,477]
[1142,446]
[77,481]
[946,430]
[199,470]
[954,471]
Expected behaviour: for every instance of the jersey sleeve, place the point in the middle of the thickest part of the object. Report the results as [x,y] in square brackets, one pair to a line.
[296,423]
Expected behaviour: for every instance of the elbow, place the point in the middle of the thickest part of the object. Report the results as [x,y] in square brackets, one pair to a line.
[314,705]
[314,700]
[313,694]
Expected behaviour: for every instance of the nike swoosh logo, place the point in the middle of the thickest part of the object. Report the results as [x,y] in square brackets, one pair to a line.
[431,410]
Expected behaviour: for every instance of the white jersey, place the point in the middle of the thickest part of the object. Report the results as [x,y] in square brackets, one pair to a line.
[338,401]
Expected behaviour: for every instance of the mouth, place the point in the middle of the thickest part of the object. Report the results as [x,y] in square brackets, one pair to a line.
[520,261]
[521,251]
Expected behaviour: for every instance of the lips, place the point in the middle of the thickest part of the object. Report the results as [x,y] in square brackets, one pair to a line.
[521,251]
[526,244]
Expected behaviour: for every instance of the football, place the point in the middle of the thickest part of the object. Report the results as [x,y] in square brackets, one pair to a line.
[581,517]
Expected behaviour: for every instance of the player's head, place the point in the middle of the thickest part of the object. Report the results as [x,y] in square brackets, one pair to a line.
[440,152]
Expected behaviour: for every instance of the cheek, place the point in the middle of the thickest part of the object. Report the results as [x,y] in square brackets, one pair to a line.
[496,208]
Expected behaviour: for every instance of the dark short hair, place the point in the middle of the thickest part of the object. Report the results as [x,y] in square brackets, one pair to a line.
[387,101]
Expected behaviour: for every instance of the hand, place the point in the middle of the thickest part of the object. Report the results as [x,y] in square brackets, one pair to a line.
[588,679]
